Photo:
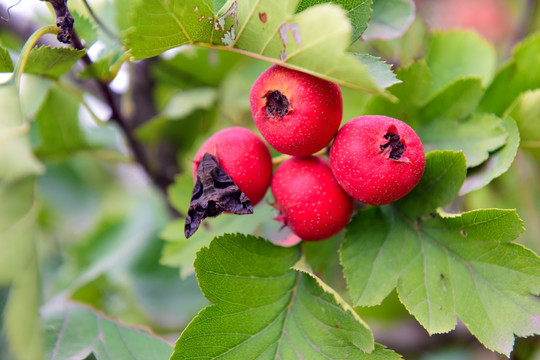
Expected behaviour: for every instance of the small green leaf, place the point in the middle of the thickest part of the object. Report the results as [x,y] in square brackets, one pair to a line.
[497,163]
[58,124]
[85,29]
[443,177]
[102,68]
[379,70]
[78,332]
[52,62]
[264,309]
[446,267]
[526,112]
[6,65]
[416,84]
[518,75]
[456,54]
[453,102]
[390,19]
[358,11]
[314,41]
[412,92]
[476,136]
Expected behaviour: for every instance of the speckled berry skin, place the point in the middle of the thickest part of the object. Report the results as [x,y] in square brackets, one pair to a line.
[310,117]
[309,199]
[368,167]
[244,156]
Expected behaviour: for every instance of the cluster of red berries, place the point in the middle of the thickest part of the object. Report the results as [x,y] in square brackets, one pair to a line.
[373,159]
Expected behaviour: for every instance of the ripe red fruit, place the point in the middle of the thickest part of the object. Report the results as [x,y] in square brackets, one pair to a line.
[297,113]
[309,199]
[243,156]
[377,159]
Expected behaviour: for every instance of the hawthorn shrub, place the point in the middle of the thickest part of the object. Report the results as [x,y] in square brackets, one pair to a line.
[113,149]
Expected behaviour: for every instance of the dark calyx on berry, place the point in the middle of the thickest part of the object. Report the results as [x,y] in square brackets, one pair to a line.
[397,147]
[277,104]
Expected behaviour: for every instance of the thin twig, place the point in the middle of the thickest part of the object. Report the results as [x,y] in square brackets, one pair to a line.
[8,13]
[103,27]
[116,116]
[137,148]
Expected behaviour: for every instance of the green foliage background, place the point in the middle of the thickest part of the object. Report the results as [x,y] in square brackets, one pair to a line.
[85,236]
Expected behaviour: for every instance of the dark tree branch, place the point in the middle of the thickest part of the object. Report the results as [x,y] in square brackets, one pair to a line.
[138,149]
[64,20]
[163,155]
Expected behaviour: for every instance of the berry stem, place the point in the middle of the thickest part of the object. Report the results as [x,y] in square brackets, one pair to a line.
[25,52]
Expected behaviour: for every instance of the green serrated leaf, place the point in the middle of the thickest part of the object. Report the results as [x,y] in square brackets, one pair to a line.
[379,70]
[100,69]
[58,124]
[518,75]
[264,309]
[313,41]
[453,102]
[52,62]
[358,12]
[78,332]
[85,29]
[446,267]
[444,174]
[390,19]
[476,136]
[416,84]
[456,54]
[412,93]
[6,65]
[497,163]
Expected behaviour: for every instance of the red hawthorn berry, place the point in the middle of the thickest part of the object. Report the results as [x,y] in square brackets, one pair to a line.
[243,156]
[297,113]
[309,199]
[377,159]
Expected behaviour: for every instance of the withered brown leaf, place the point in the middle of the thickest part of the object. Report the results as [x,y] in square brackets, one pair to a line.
[214,193]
